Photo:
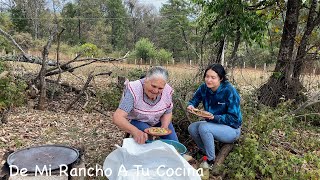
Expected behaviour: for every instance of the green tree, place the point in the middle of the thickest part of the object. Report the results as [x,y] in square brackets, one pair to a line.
[117,18]
[19,19]
[71,24]
[144,49]
[174,30]
[163,56]
[231,20]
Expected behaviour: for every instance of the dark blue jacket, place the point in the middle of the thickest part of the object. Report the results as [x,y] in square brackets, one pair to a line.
[224,103]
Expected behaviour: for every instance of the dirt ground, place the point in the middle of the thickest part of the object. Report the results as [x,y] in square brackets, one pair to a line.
[92,132]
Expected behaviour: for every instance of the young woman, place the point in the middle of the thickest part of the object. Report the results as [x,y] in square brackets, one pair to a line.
[221,99]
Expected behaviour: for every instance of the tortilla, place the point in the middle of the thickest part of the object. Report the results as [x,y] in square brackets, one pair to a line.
[157,131]
[201,113]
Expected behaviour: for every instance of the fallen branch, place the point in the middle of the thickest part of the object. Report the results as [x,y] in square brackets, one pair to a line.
[31,59]
[223,153]
[8,36]
[313,100]
[287,146]
[66,85]
[90,77]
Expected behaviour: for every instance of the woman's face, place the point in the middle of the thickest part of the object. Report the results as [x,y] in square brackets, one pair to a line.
[153,87]
[212,80]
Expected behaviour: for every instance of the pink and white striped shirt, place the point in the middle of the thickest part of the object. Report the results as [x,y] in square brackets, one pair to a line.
[145,112]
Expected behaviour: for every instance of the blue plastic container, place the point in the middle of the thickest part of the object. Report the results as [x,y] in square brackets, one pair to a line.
[179,147]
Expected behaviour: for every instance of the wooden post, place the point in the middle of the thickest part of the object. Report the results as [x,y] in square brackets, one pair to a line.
[264,67]
[190,63]
[173,61]
[141,61]
[244,65]
[255,66]
[135,61]
[226,64]
[167,63]
[150,62]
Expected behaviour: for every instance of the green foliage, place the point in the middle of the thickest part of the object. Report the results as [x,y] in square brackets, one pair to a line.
[144,49]
[24,40]
[268,142]
[136,73]
[110,97]
[163,56]
[117,15]
[5,22]
[11,91]
[175,28]
[89,49]
[19,19]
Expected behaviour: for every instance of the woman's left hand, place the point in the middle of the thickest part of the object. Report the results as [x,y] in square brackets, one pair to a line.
[211,118]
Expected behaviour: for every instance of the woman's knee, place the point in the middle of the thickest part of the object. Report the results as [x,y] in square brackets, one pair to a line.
[203,128]
[193,128]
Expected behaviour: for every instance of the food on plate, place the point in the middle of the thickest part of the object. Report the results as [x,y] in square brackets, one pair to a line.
[158,131]
[201,113]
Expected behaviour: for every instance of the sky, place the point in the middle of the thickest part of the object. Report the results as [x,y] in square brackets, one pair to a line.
[156,3]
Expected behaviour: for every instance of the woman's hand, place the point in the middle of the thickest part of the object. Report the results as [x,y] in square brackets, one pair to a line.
[190,107]
[139,136]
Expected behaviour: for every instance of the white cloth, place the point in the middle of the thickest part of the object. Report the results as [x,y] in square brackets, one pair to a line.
[152,161]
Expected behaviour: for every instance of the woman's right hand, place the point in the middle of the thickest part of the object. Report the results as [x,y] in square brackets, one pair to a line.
[140,137]
[190,107]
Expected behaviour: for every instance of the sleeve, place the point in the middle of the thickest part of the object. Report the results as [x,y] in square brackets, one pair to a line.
[197,98]
[127,101]
[169,109]
[232,117]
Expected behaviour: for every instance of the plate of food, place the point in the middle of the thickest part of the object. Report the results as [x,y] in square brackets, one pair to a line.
[157,131]
[201,113]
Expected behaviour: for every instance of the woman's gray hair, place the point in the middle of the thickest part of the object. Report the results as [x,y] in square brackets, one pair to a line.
[158,71]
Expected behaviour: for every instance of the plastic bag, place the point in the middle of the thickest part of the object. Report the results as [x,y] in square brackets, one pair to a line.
[156,160]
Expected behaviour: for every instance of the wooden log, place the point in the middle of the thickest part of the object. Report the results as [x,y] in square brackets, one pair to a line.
[223,153]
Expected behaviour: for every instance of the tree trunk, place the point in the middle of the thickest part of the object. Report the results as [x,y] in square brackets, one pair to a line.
[280,84]
[313,21]
[236,47]
[220,50]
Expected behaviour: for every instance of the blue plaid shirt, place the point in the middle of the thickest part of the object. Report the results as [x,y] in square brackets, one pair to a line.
[224,103]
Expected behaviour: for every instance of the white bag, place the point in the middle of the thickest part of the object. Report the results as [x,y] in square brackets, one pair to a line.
[156,160]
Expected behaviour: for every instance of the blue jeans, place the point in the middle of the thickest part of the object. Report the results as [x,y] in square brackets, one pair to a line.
[142,126]
[204,133]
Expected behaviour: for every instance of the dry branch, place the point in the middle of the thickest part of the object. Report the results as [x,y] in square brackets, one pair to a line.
[8,36]
[31,59]
[90,77]
[313,100]
[54,71]
[42,72]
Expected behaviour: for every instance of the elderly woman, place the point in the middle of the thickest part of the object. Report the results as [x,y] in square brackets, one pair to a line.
[221,99]
[147,103]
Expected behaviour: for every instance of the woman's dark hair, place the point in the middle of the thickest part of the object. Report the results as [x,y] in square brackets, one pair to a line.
[219,69]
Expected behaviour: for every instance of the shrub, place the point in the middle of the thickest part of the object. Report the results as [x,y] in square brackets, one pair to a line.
[89,49]
[163,56]
[144,49]
[12,92]
[110,97]
[24,40]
